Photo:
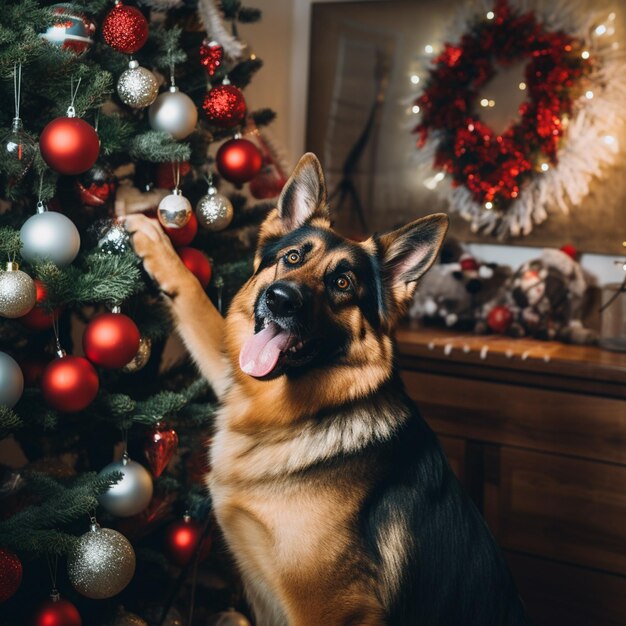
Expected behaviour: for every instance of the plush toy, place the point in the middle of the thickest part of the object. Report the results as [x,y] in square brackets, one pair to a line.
[456,289]
[543,299]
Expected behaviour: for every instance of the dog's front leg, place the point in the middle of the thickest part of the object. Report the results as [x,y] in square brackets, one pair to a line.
[198,322]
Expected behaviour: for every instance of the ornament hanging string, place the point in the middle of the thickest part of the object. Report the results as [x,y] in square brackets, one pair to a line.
[17,88]
[71,110]
[53,566]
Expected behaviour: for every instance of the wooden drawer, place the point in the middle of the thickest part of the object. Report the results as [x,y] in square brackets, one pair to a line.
[566,509]
[542,419]
[557,594]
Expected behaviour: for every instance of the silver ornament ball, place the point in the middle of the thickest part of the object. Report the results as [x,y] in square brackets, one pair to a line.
[142,357]
[214,211]
[173,112]
[132,493]
[11,381]
[49,236]
[137,87]
[174,211]
[229,618]
[101,564]
[17,292]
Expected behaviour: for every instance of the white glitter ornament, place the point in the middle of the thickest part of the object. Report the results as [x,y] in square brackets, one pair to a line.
[173,112]
[214,210]
[137,87]
[101,564]
[49,236]
[174,211]
[17,292]
[132,493]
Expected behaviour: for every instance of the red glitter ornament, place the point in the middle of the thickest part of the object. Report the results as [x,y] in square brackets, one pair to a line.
[238,160]
[198,264]
[111,340]
[499,319]
[69,384]
[57,612]
[69,145]
[10,574]
[183,236]
[224,106]
[211,56]
[125,29]
[160,446]
[38,318]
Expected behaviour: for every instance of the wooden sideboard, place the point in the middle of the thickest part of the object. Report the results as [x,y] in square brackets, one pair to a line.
[536,431]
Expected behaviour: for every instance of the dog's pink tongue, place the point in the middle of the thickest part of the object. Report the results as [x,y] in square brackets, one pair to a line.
[261,352]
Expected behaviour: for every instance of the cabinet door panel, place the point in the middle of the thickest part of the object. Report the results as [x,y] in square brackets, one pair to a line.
[566,509]
[455,450]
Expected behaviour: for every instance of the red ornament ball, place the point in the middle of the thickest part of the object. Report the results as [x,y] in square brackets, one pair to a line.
[111,340]
[499,319]
[182,540]
[10,574]
[185,235]
[38,318]
[69,145]
[211,56]
[198,264]
[224,106]
[57,612]
[69,384]
[238,160]
[125,29]
[72,30]
[268,183]
[96,186]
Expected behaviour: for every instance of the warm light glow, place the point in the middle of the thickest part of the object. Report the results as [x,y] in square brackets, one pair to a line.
[428,49]
[184,537]
[492,103]
[589,95]
[415,79]
[522,86]
[484,102]
[545,167]
[432,182]
[585,54]
[490,15]
[489,205]
[415,109]
[252,56]
[470,127]
[600,30]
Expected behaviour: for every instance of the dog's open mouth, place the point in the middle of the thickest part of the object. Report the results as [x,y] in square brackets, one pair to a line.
[272,347]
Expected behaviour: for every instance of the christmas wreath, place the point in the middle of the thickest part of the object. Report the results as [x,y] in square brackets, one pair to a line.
[504,182]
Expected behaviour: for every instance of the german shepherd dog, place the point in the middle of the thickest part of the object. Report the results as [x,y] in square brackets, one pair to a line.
[332,492]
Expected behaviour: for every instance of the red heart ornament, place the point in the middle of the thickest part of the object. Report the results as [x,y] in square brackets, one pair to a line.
[160,447]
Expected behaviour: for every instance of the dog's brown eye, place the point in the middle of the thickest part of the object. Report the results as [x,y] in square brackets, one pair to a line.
[293,257]
[342,283]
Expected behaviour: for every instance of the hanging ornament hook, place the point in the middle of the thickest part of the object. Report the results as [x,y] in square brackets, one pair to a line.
[71,110]
[17,89]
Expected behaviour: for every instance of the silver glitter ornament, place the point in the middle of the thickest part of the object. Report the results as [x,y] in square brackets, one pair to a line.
[101,564]
[132,494]
[174,211]
[11,381]
[113,238]
[17,292]
[228,618]
[214,211]
[49,236]
[137,87]
[173,112]
[124,618]
[142,357]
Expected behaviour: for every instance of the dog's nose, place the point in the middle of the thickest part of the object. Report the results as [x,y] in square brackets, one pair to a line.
[283,299]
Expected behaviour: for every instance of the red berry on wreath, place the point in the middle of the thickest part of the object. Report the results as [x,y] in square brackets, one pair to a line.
[499,319]
[57,612]
[69,145]
[111,340]
[238,160]
[125,28]
[69,384]
[10,574]
[198,264]
[224,106]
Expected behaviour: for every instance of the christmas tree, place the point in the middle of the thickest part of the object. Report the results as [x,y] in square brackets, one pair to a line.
[117,108]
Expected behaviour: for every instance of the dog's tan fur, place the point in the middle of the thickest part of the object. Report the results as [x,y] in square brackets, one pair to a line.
[295,540]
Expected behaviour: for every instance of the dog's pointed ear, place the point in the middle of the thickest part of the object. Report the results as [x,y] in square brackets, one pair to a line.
[407,253]
[304,194]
